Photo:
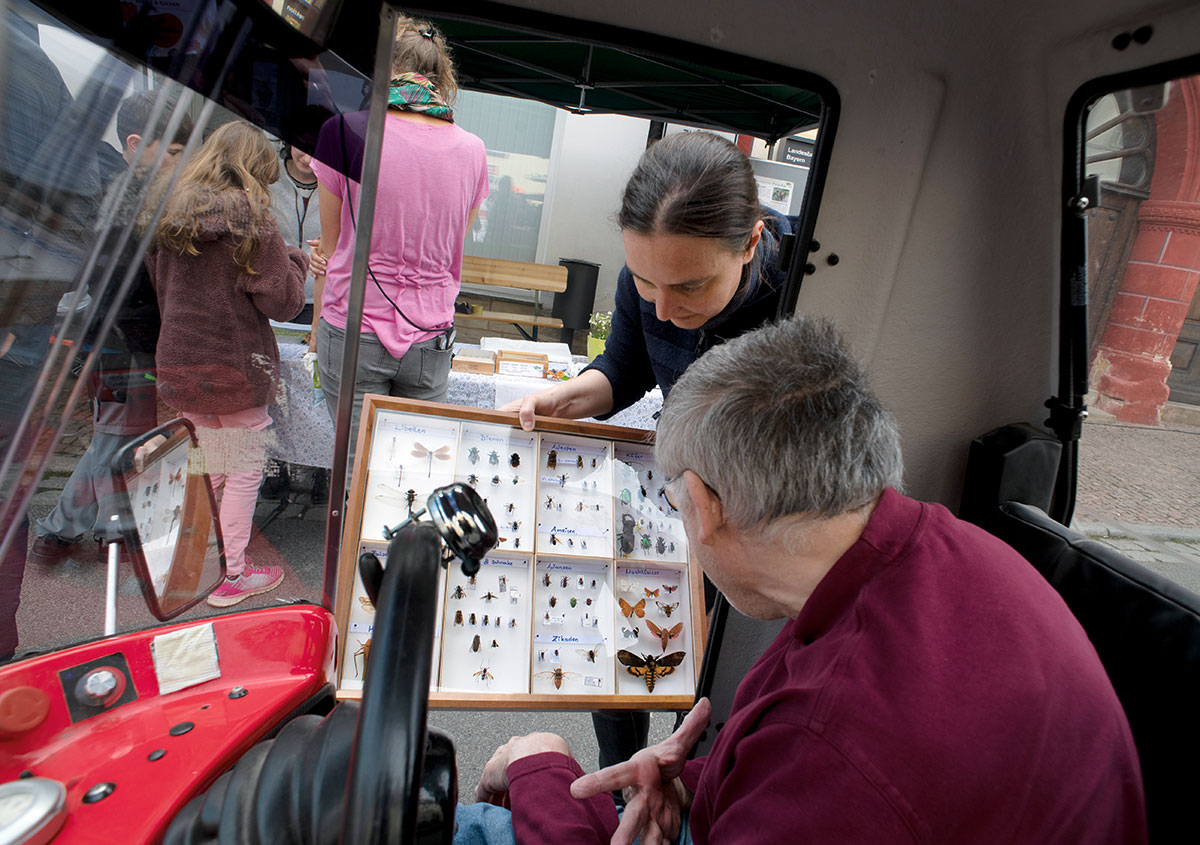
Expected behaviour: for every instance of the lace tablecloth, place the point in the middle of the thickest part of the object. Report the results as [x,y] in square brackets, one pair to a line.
[304,430]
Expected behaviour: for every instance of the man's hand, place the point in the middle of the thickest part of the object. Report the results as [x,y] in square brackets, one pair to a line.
[317,260]
[655,795]
[493,783]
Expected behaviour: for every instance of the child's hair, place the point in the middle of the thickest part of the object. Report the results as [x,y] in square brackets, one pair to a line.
[237,157]
[420,48]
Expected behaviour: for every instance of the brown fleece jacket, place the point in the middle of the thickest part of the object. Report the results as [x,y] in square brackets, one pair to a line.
[216,351]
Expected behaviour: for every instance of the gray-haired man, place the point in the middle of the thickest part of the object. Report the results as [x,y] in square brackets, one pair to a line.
[930,686]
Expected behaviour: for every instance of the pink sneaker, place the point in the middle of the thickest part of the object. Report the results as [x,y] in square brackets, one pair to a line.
[252,581]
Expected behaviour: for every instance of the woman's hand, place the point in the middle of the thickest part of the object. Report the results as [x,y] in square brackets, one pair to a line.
[656,798]
[318,261]
[493,783]
[586,395]
[545,403]
[141,453]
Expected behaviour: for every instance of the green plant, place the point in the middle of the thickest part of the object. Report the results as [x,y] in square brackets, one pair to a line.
[600,324]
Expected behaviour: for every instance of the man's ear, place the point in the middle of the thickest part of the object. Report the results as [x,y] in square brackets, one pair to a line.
[132,143]
[709,511]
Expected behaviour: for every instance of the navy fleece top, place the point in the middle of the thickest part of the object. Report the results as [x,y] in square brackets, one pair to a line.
[643,351]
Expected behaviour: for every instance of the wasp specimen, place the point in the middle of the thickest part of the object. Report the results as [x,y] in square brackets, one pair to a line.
[484,675]
[514,460]
[552,460]
[667,609]
[579,461]
[458,593]
[630,610]
[516,523]
[364,651]
[557,675]
[649,667]
[471,620]
[562,480]
[473,455]
[442,453]
[510,507]
[489,595]
[516,542]
[553,539]
[650,594]
[663,634]
[475,643]
[549,502]
[512,623]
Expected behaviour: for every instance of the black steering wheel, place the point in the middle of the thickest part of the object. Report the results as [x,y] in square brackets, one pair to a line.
[388,758]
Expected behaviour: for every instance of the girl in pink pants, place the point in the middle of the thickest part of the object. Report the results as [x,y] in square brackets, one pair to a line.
[221,272]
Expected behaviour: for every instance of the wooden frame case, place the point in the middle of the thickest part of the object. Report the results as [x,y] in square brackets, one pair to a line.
[593,562]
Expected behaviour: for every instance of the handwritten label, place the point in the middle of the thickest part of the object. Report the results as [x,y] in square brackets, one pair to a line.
[651,573]
[592,681]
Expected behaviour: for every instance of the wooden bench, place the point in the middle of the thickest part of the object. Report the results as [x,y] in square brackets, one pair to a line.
[500,272]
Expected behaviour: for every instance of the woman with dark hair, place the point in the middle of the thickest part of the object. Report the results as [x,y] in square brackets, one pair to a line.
[700,268]
[433,178]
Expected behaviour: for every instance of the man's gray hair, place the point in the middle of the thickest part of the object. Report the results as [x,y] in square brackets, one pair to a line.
[781,422]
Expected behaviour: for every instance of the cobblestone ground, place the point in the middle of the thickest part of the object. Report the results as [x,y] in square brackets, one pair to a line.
[1139,493]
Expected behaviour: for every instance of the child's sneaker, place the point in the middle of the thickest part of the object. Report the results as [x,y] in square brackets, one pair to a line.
[252,581]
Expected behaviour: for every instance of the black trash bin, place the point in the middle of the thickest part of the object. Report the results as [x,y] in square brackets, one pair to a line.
[574,305]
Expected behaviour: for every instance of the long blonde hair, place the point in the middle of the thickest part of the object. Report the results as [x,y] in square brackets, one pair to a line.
[237,160]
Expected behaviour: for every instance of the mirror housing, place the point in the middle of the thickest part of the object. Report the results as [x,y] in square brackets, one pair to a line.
[167,518]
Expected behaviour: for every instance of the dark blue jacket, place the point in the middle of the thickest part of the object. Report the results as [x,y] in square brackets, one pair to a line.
[643,351]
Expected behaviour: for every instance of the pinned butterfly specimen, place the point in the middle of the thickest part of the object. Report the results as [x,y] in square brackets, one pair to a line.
[366,604]
[557,675]
[484,675]
[650,594]
[442,453]
[458,593]
[630,633]
[664,634]
[630,610]
[670,588]
[667,608]
[552,460]
[588,654]
[475,643]
[649,667]
[489,595]
[175,477]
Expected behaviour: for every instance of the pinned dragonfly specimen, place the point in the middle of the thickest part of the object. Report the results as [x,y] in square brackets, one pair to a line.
[364,651]
[650,594]
[410,499]
[649,667]
[557,675]
[458,593]
[473,455]
[667,609]
[484,676]
[552,460]
[442,453]
[630,610]
[664,635]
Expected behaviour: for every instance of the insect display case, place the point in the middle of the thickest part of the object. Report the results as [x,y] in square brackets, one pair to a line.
[590,599]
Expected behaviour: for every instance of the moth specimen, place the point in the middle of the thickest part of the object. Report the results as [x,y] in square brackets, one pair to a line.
[649,667]
[630,633]
[667,608]
[663,634]
[630,610]
[670,588]
[650,594]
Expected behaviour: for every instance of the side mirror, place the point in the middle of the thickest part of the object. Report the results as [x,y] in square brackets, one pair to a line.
[167,518]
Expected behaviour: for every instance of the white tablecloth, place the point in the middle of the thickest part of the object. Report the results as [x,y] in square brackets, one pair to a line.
[304,430]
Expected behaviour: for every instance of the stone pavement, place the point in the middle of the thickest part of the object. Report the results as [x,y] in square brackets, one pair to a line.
[1139,493]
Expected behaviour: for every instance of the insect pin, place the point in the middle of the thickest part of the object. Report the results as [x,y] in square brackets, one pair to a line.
[630,610]
[514,460]
[552,460]
[475,643]
[364,651]
[663,634]
[458,593]
[667,608]
[649,667]
[484,675]
[489,595]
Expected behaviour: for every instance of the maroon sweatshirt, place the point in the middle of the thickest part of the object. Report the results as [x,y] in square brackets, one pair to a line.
[216,352]
[933,689]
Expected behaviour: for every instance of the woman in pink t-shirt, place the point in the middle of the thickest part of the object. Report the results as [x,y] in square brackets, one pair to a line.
[433,178]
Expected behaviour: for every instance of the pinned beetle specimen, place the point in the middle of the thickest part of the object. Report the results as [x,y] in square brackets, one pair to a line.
[649,667]
[663,634]
[573,601]
[625,538]
[554,601]
[364,651]
[661,546]
[667,608]
[630,610]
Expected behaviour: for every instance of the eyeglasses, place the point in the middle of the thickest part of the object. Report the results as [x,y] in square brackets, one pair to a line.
[666,489]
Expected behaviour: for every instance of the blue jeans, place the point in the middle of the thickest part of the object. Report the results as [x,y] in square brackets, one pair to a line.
[487,824]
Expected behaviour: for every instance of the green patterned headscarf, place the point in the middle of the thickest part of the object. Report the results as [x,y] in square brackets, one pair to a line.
[414,92]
